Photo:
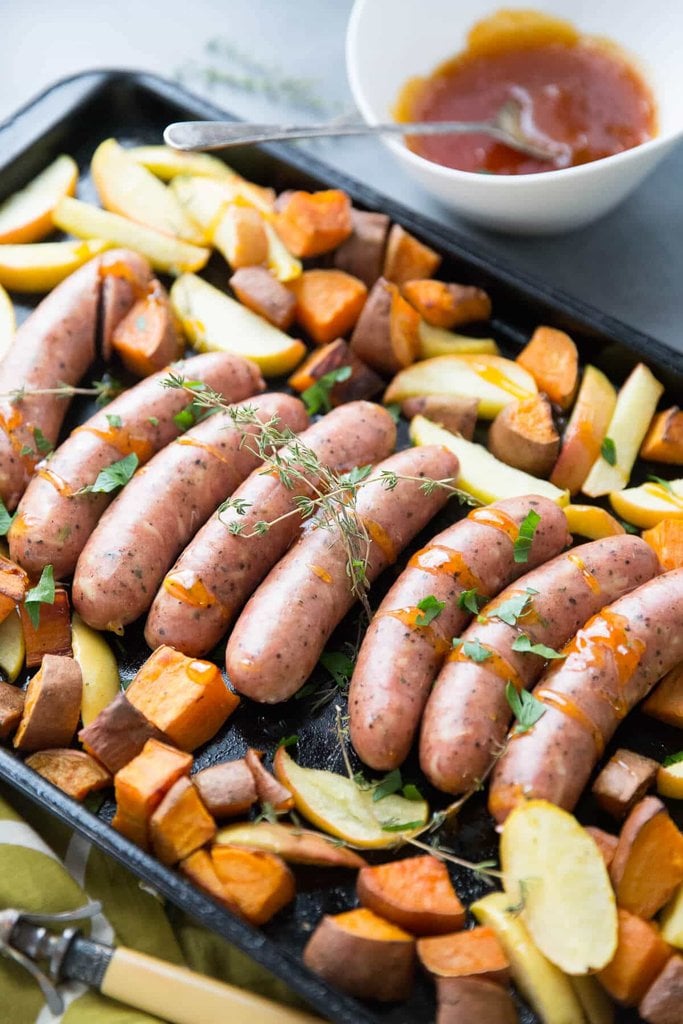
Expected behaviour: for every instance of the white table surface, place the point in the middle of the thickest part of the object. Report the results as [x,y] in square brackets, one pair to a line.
[629,264]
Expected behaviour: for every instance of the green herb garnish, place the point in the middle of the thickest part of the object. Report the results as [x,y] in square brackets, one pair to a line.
[526,709]
[112,477]
[515,608]
[42,444]
[390,784]
[113,420]
[527,529]
[471,601]
[430,608]
[287,741]
[662,483]
[608,450]
[42,593]
[318,396]
[5,519]
[523,644]
[673,759]
[473,649]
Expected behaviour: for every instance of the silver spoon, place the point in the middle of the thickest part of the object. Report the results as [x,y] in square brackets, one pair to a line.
[512,125]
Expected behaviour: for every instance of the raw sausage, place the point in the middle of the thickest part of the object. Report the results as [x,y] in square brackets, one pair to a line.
[467,714]
[56,345]
[612,663]
[53,522]
[399,659]
[163,506]
[284,627]
[215,575]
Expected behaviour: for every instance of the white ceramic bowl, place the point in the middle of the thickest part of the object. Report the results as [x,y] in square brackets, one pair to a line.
[388,41]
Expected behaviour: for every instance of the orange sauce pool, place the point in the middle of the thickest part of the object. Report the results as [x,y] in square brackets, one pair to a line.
[582,91]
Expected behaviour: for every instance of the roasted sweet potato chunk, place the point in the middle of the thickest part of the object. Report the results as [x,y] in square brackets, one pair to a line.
[524,436]
[624,781]
[476,1000]
[118,734]
[664,440]
[53,705]
[362,254]
[447,305]
[666,700]
[141,785]
[147,338]
[663,1000]
[262,293]
[269,789]
[362,383]
[311,223]
[72,771]
[386,336]
[52,635]
[641,954]
[227,789]
[328,303]
[199,868]
[476,952]
[553,361]
[13,586]
[666,540]
[11,708]
[259,883]
[649,837]
[180,824]
[456,413]
[415,893]
[183,697]
[406,259]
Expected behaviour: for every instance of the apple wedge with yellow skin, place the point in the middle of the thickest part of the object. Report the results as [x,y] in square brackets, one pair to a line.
[592,522]
[26,216]
[554,868]
[437,341]
[167,163]
[495,381]
[8,321]
[126,187]
[169,255]
[101,681]
[12,646]
[39,267]
[633,412]
[481,474]
[213,322]
[647,505]
[671,920]
[338,806]
[292,843]
[280,261]
[585,430]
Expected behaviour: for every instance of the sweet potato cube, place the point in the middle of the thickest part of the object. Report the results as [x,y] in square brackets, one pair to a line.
[11,709]
[13,586]
[53,633]
[183,697]
[362,254]
[415,893]
[647,866]
[664,440]
[241,237]
[447,305]
[461,1000]
[666,540]
[72,771]
[666,701]
[624,781]
[268,789]
[464,954]
[262,293]
[663,1000]
[52,706]
[227,789]
[141,785]
[259,883]
[328,303]
[363,954]
[641,954]
[199,868]
[406,259]
[552,360]
[386,336]
[147,338]
[605,842]
[362,383]
[118,734]
[180,824]
[311,223]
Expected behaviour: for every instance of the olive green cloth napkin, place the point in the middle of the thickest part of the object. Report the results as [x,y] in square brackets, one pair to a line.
[44,867]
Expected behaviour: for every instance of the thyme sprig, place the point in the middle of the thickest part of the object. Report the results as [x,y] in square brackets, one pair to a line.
[103,390]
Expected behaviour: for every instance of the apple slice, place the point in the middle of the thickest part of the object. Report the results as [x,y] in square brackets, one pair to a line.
[437,341]
[229,189]
[40,266]
[126,187]
[203,199]
[214,322]
[167,163]
[338,806]
[8,321]
[101,681]
[647,505]
[280,261]
[636,404]
[592,522]
[170,255]
[672,920]
[495,381]
[27,215]
[293,844]
[585,430]
[12,646]
[481,474]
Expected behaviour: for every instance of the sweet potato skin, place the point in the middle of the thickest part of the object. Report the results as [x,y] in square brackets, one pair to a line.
[363,383]
[624,781]
[406,259]
[523,436]
[662,1002]
[72,771]
[147,338]
[227,789]
[262,293]
[360,964]
[648,837]
[268,789]
[53,705]
[11,709]
[640,956]
[606,843]
[447,305]
[552,360]
[260,883]
[118,734]
[14,583]
[181,823]
[666,700]
[386,335]
[462,1000]
[473,953]
[416,894]
[362,253]
[664,440]
[456,413]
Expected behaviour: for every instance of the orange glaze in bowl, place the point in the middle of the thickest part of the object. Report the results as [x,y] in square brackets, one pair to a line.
[582,91]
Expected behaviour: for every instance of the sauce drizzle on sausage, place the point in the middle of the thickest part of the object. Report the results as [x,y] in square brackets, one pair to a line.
[609,632]
[591,581]
[58,482]
[409,616]
[495,662]
[189,589]
[321,573]
[566,706]
[121,439]
[497,519]
[211,449]
[439,559]
[380,537]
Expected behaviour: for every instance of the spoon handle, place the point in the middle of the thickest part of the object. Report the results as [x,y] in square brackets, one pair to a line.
[207,135]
